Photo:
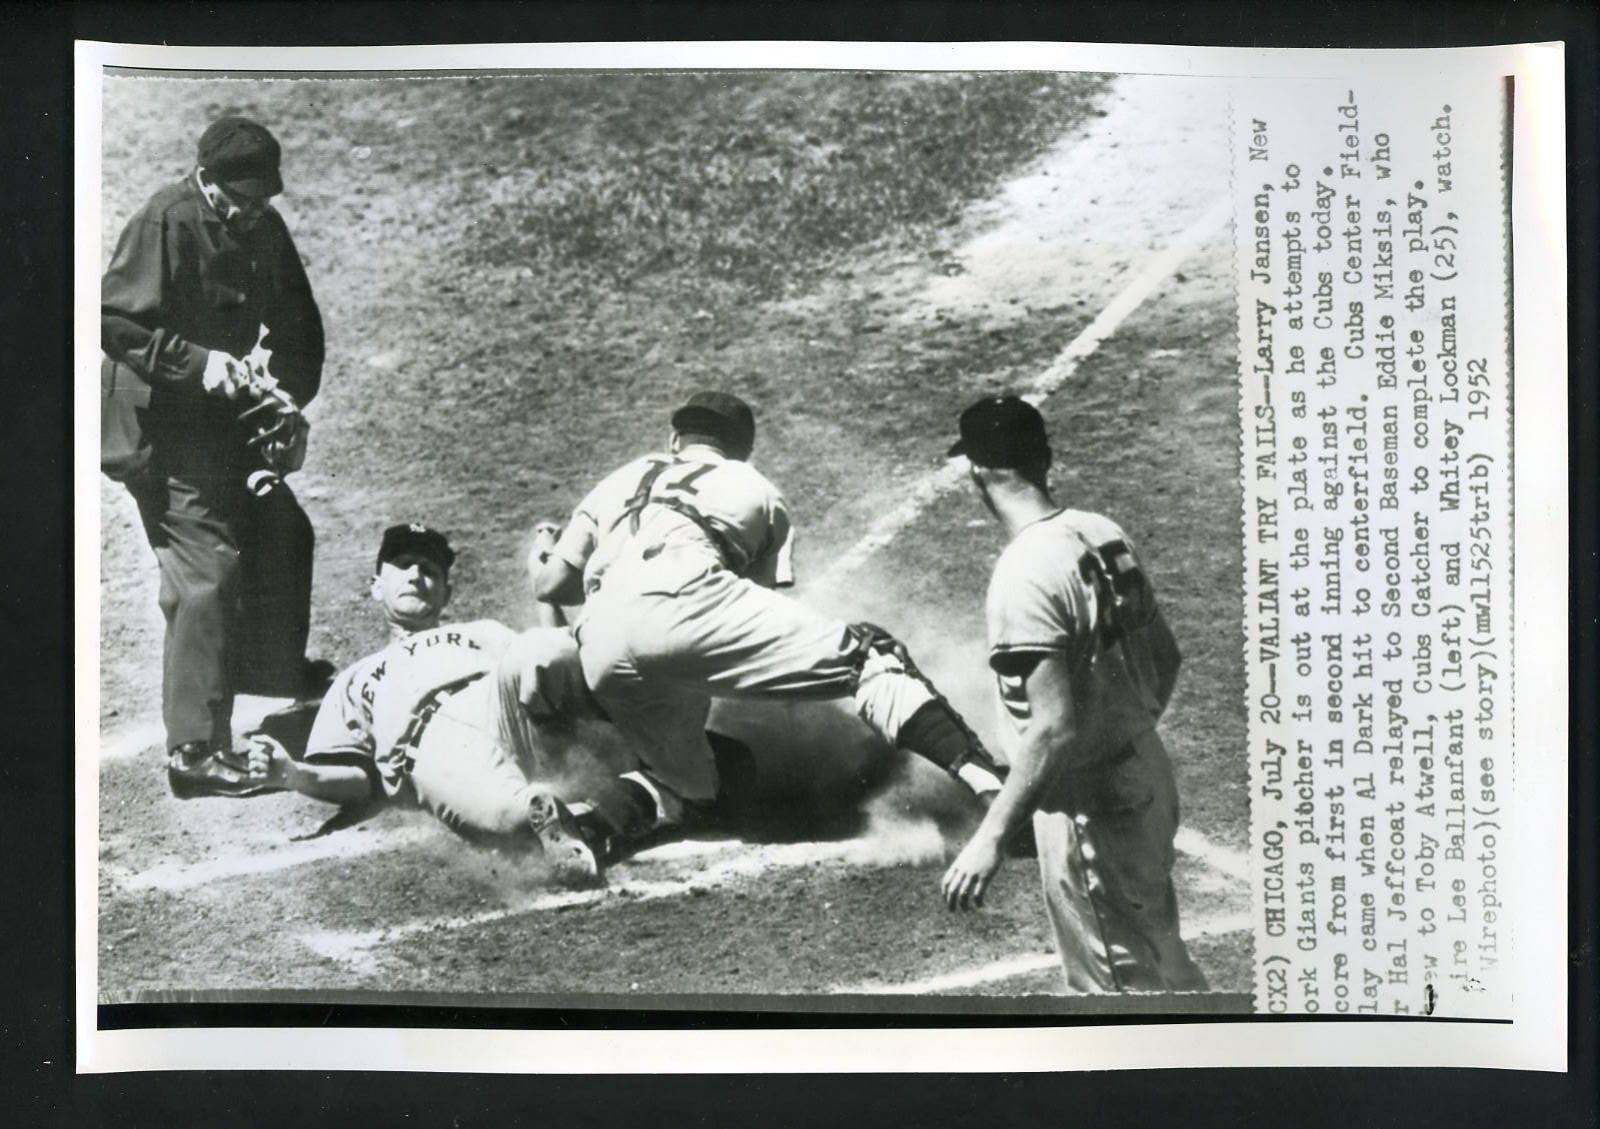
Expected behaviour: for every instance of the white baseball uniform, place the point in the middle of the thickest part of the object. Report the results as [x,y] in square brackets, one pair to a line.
[679,555]
[1070,584]
[449,718]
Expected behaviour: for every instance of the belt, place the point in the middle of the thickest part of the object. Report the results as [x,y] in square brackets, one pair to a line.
[405,749]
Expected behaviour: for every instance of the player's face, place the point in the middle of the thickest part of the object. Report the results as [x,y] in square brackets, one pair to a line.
[413,589]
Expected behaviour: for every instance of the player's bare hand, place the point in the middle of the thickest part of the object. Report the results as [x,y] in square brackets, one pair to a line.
[268,760]
[546,533]
[969,876]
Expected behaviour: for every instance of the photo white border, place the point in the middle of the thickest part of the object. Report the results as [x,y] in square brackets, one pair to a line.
[1537,1037]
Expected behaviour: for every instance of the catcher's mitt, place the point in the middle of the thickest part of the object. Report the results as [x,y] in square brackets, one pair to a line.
[280,432]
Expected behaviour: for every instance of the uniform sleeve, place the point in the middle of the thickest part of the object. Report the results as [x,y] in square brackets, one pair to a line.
[578,540]
[1035,606]
[594,515]
[342,731]
[134,293]
[294,324]
[775,567]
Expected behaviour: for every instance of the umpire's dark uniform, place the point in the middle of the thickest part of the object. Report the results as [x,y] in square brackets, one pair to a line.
[235,568]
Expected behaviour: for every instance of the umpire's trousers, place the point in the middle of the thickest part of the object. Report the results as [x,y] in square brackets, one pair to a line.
[235,591]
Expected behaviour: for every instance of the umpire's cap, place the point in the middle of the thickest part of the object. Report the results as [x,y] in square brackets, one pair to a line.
[1002,431]
[719,414]
[414,537]
[241,154]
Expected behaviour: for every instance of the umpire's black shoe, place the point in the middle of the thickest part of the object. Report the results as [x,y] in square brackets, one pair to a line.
[195,769]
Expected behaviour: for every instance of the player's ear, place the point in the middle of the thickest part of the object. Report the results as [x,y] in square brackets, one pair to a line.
[445,592]
[374,590]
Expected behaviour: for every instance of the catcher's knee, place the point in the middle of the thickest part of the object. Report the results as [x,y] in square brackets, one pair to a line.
[905,706]
[887,686]
[871,642]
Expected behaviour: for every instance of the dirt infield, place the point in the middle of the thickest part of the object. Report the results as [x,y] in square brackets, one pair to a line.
[515,302]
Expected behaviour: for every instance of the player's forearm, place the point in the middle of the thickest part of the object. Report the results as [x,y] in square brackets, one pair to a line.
[332,783]
[559,583]
[1034,764]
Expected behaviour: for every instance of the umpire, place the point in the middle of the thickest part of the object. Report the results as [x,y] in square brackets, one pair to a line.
[202,273]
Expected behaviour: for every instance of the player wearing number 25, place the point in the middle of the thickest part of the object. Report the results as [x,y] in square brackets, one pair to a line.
[1084,665]
[201,269]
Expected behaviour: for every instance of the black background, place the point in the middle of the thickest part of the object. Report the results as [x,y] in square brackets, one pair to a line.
[37,1082]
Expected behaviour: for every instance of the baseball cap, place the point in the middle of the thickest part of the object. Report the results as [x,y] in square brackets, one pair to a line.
[1001,431]
[414,537]
[721,414]
[241,154]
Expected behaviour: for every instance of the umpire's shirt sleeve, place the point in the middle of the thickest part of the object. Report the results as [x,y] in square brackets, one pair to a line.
[294,325]
[181,284]
[136,326]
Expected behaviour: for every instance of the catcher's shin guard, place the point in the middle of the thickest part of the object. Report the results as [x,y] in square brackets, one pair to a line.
[935,729]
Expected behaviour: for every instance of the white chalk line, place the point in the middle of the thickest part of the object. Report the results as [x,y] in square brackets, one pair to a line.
[915,845]
[168,877]
[1010,968]
[932,486]
[357,948]
[1224,860]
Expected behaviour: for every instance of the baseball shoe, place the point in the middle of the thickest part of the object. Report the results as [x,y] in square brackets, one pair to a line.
[195,769]
[575,860]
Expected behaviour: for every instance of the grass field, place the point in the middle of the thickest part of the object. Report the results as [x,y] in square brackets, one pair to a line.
[520,277]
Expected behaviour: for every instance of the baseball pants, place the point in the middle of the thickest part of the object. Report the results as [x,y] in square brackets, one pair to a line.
[659,647]
[235,592]
[1106,864]
[476,763]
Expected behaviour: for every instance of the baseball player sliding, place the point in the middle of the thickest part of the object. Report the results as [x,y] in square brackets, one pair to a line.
[1084,665]
[446,716]
[675,558]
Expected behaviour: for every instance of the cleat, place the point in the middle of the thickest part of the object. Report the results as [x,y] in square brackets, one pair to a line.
[575,861]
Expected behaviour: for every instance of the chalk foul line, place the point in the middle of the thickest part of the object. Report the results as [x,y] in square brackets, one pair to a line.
[268,859]
[932,486]
[358,949]
[1029,964]
[729,860]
